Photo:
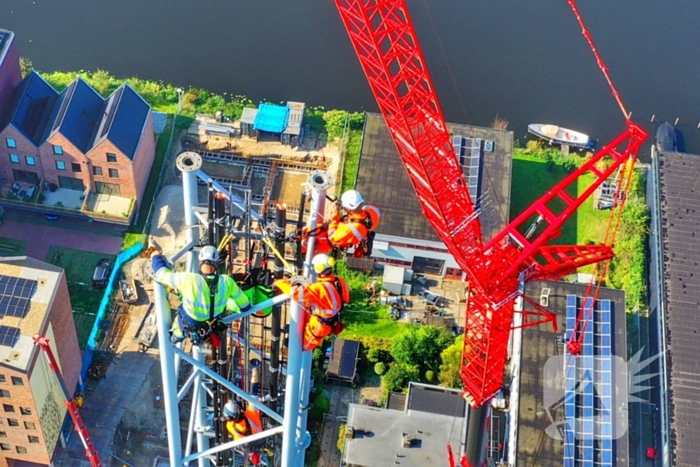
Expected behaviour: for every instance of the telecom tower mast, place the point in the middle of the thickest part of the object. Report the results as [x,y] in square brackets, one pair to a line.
[203,422]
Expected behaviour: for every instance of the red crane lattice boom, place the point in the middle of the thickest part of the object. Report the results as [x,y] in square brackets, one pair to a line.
[385,41]
[90,451]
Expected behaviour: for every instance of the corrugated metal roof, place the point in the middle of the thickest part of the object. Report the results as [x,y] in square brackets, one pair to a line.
[296,117]
[680,219]
[248,115]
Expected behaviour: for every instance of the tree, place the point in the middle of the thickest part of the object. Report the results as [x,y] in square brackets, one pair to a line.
[452,364]
[399,375]
[421,346]
[379,368]
[25,65]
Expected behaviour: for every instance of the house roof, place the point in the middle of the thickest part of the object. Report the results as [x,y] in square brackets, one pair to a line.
[77,112]
[5,41]
[378,433]
[124,115]
[680,222]
[271,118]
[436,400]
[383,181]
[343,359]
[31,107]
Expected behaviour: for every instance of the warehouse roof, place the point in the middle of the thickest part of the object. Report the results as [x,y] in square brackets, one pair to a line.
[680,223]
[383,181]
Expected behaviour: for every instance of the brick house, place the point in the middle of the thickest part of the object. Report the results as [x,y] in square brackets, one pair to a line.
[76,139]
[10,73]
[31,402]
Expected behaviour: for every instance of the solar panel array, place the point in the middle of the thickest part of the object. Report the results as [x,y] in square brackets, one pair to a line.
[15,294]
[468,153]
[588,431]
[8,336]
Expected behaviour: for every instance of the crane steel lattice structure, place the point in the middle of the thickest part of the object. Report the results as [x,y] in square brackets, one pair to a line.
[90,451]
[385,41]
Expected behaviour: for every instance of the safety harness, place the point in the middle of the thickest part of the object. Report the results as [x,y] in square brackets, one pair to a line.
[202,331]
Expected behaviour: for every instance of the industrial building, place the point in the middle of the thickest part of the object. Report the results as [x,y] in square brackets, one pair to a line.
[415,436]
[33,300]
[405,237]
[552,410]
[674,302]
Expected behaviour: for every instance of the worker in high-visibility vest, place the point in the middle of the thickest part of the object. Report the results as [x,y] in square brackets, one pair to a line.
[322,300]
[356,227]
[241,423]
[193,317]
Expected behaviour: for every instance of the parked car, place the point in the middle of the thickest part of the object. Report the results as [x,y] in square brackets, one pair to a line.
[101,275]
[430,298]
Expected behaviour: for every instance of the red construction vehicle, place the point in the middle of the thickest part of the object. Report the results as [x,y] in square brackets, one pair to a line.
[90,450]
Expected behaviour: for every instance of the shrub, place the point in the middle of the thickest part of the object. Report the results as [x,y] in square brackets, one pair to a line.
[341,437]
[380,368]
[399,375]
[429,376]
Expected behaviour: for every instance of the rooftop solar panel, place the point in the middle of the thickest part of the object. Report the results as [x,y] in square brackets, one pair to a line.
[8,336]
[588,431]
[15,294]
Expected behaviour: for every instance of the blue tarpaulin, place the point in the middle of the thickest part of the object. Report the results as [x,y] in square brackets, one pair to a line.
[271,118]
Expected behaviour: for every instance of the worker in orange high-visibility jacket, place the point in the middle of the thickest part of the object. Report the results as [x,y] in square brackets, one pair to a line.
[356,228]
[323,301]
[241,423]
[322,244]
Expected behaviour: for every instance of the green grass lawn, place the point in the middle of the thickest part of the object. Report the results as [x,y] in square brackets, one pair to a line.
[531,180]
[79,267]
[370,323]
[12,247]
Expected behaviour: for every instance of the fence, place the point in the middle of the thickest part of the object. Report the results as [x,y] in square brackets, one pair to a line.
[102,311]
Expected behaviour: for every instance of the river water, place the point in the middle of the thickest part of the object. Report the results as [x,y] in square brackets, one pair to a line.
[523,60]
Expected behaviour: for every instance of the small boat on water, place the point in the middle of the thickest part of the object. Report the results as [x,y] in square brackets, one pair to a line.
[559,135]
[666,138]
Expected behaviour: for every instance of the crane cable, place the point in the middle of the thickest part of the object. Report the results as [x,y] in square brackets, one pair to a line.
[603,67]
[625,178]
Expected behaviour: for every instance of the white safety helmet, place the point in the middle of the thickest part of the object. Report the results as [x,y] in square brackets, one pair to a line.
[208,253]
[351,200]
[230,410]
[323,263]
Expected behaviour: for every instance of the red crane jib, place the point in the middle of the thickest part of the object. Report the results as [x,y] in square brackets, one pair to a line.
[386,44]
[80,428]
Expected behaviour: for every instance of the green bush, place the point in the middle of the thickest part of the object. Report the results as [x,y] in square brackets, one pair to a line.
[421,346]
[380,368]
[399,375]
[341,437]
[452,364]
[321,406]
[429,376]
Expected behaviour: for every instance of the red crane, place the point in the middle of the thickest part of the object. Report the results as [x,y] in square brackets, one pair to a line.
[385,41]
[80,428]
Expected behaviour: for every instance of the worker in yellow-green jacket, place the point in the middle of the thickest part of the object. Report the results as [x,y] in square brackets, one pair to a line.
[196,317]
